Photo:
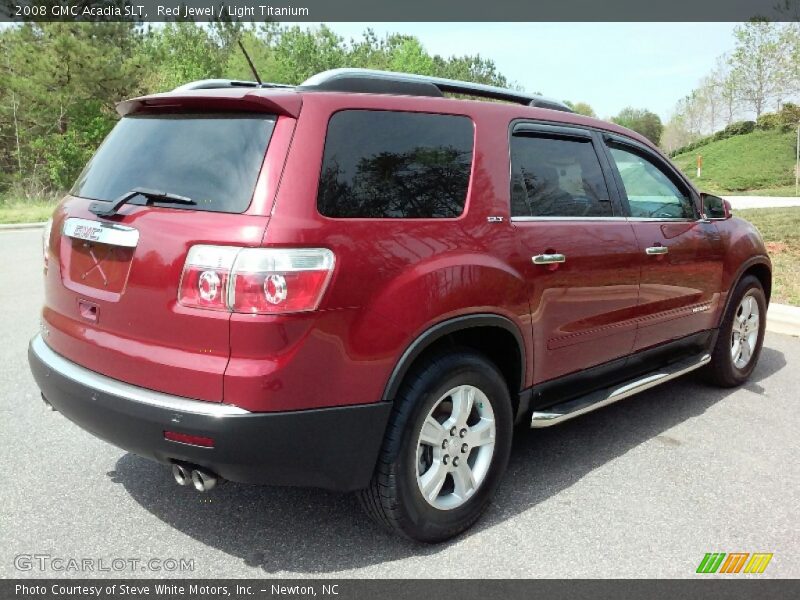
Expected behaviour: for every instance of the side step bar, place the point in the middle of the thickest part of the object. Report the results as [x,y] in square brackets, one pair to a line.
[584,404]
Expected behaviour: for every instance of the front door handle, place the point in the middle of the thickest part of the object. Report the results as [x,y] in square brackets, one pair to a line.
[653,250]
[549,259]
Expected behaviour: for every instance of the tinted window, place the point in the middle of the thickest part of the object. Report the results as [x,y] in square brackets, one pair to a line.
[651,193]
[213,159]
[554,177]
[384,164]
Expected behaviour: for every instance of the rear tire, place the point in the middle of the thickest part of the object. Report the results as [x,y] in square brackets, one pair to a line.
[741,335]
[449,435]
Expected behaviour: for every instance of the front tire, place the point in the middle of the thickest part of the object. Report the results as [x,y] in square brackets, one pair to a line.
[741,335]
[446,448]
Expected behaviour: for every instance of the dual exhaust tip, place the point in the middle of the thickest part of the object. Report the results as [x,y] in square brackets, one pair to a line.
[202,479]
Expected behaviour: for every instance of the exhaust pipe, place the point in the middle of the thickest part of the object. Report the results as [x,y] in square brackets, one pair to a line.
[182,475]
[203,480]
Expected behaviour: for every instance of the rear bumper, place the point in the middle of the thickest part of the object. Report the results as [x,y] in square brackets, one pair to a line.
[333,448]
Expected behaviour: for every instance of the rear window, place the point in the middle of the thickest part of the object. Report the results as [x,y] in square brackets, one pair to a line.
[213,159]
[387,164]
[553,177]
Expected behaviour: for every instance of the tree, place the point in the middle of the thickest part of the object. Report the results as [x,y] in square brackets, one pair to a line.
[641,121]
[582,108]
[62,93]
[761,63]
[676,134]
[59,82]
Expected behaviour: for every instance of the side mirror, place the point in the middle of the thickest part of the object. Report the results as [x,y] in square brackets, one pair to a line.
[714,207]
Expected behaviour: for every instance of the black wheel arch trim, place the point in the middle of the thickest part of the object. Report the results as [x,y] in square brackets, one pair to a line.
[442,329]
[760,259]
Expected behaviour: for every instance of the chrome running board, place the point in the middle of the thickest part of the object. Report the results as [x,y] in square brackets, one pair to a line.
[584,404]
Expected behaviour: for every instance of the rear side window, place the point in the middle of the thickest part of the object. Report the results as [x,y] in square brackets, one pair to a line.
[386,164]
[213,159]
[557,177]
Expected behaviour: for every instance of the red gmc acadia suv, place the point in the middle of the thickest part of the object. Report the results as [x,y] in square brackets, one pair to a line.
[363,285]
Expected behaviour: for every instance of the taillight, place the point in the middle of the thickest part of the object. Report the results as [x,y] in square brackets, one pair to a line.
[204,282]
[256,280]
[48,227]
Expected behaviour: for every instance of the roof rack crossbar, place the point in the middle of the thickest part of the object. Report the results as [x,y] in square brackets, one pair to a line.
[373,81]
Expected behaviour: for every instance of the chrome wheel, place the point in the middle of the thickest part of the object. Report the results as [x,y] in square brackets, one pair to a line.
[746,328]
[455,447]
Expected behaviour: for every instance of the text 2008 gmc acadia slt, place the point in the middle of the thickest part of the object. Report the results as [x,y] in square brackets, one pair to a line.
[363,285]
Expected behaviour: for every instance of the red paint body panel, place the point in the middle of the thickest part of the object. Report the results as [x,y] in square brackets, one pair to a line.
[583,311]
[679,291]
[393,279]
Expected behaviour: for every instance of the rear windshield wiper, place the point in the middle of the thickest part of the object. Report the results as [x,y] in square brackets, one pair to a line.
[103,209]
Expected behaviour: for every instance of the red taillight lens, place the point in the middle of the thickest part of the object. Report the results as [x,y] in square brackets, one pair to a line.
[192,440]
[255,280]
[280,280]
[204,283]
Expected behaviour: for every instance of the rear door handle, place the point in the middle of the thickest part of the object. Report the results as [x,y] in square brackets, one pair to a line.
[657,250]
[549,259]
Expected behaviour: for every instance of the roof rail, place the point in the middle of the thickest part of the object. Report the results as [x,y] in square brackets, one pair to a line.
[210,84]
[387,82]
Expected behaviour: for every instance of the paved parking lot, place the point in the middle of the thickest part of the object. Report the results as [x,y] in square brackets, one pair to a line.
[643,488]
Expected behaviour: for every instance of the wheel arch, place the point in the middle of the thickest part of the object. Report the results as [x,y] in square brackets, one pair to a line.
[496,336]
[760,268]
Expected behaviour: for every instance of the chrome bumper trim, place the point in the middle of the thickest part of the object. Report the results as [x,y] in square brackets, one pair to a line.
[120,389]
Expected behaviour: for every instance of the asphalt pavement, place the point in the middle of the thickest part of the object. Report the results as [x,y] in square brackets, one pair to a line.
[642,488]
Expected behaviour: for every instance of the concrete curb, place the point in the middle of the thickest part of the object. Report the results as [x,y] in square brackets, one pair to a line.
[782,318]
[745,202]
[15,226]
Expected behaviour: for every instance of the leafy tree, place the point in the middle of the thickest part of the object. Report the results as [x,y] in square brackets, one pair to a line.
[59,82]
[62,93]
[641,121]
[761,63]
[582,108]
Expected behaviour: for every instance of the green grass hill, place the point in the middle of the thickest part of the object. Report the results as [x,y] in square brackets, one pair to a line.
[758,163]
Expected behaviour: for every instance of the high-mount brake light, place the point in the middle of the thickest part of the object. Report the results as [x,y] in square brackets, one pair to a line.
[256,280]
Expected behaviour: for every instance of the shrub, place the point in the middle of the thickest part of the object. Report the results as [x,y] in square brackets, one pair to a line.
[789,116]
[768,121]
[739,128]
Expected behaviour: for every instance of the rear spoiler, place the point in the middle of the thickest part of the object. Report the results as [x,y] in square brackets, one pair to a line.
[228,100]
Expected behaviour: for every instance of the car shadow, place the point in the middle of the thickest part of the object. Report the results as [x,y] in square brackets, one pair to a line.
[316,532]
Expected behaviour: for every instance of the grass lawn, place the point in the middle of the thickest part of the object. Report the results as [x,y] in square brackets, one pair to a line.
[752,164]
[22,211]
[780,228]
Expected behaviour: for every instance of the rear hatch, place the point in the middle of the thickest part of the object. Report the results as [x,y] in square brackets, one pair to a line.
[112,281]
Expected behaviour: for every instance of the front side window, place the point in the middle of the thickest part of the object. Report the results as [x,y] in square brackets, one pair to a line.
[556,177]
[214,159]
[388,164]
[651,193]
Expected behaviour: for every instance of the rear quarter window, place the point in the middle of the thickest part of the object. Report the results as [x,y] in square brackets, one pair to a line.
[391,165]
[214,159]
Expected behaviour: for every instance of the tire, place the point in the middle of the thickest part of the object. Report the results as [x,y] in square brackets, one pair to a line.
[394,498]
[725,370]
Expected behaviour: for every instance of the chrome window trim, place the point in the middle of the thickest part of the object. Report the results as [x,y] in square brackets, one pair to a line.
[614,218]
[662,219]
[523,219]
[120,389]
[112,234]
